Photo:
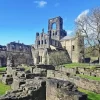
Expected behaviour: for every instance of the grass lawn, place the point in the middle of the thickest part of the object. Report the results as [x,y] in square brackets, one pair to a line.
[91,95]
[2,69]
[73,65]
[89,77]
[3,88]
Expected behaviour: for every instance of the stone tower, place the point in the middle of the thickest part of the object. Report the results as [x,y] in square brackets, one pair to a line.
[58,32]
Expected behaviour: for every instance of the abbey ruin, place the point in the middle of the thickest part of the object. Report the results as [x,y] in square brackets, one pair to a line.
[30,71]
[55,39]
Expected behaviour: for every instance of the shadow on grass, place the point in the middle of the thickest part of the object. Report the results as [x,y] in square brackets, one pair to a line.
[93,96]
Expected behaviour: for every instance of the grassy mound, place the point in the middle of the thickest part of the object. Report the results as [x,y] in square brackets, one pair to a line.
[4,88]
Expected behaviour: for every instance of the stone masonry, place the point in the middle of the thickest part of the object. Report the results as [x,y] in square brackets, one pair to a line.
[56,38]
[33,84]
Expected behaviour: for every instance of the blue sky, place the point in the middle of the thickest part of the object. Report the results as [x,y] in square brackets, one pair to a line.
[21,19]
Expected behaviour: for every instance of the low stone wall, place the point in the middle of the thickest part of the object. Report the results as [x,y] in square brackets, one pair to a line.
[80,82]
[67,70]
[17,82]
[62,90]
[7,79]
[32,90]
[86,84]
[81,70]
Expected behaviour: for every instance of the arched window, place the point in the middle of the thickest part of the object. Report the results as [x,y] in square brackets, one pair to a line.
[38,42]
[73,48]
[42,41]
[55,33]
[45,41]
[54,26]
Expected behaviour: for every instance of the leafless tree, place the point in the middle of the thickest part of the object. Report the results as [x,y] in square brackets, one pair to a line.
[89,26]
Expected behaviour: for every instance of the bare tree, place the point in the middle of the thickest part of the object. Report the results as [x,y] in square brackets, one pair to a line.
[89,25]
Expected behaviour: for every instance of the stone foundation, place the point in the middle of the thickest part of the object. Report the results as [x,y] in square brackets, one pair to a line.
[63,90]
[80,82]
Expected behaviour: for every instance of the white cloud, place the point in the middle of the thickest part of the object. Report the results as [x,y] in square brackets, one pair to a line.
[69,32]
[82,15]
[40,3]
[57,4]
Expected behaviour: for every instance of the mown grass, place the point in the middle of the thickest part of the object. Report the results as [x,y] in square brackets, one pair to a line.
[2,69]
[91,95]
[89,77]
[4,88]
[73,65]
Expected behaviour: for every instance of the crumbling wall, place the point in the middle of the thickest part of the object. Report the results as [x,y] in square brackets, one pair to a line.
[87,84]
[81,70]
[62,90]
[21,58]
[32,90]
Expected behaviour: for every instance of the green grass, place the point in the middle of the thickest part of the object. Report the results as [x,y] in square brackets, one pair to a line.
[73,65]
[4,88]
[89,77]
[91,95]
[2,69]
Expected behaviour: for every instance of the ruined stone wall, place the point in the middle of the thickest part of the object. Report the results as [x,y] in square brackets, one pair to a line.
[39,56]
[86,84]
[58,32]
[21,58]
[81,70]
[3,58]
[62,90]
[80,82]
[73,48]
[42,41]
[30,91]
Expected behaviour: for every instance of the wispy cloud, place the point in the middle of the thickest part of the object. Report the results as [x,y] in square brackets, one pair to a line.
[69,32]
[57,4]
[40,3]
[82,15]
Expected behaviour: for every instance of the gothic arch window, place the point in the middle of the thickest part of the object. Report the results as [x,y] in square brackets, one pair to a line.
[38,42]
[73,48]
[54,26]
[55,33]
[42,41]
[13,47]
[45,41]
